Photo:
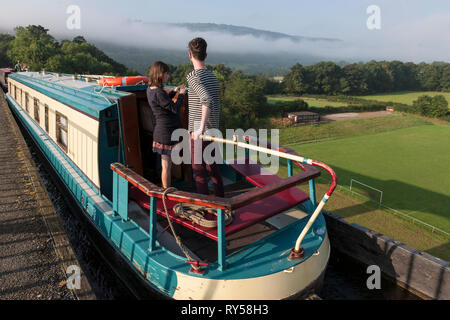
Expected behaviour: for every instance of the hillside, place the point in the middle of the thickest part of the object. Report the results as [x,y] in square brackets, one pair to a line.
[37,48]
[243,31]
[250,63]
[269,63]
[273,63]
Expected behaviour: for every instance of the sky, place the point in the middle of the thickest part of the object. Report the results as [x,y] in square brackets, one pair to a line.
[410,30]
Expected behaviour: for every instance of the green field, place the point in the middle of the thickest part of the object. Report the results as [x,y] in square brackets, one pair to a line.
[410,165]
[348,128]
[407,97]
[311,102]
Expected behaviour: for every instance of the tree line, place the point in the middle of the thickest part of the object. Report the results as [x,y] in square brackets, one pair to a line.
[366,78]
[34,46]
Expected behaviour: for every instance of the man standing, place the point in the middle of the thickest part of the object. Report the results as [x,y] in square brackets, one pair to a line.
[204,112]
[18,66]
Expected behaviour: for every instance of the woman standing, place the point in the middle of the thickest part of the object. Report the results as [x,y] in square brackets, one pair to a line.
[167,116]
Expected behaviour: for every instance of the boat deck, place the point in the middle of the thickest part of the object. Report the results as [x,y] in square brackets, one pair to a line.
[200,245]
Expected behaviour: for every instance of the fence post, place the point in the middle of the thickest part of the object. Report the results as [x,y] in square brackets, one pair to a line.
[152,224]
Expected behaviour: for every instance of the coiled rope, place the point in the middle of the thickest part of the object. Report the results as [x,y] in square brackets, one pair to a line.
[197,214]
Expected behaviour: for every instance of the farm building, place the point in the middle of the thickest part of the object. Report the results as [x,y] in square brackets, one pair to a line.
[304,117]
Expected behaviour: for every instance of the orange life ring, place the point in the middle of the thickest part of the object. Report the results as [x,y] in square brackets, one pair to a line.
[122,81]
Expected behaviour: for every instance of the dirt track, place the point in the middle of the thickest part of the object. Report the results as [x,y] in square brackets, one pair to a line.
[354,115]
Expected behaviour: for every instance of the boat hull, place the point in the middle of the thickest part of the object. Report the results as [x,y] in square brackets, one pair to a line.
[293,283]
[163,272]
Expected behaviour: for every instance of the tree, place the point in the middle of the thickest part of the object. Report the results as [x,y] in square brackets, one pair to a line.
[353,81]
[79,40]
[439,106]
[430,76]
[223,74]
[435,107]
[376,77]
[445,78]
[39,50]
[85,58]
[5,40]
[243,103]
[423,105]
[326,77]
[179,74]
[295,81]
[33,46]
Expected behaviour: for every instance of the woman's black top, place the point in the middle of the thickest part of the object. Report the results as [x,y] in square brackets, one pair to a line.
[166,113]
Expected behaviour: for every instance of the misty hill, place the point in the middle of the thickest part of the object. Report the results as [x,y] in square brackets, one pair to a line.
[140,56]
[269,64]
[242,31]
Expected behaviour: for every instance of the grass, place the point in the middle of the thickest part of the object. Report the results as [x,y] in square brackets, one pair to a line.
[366,213]
[409,165]
[404,155]
[406,97]
[348,128]
[311,102]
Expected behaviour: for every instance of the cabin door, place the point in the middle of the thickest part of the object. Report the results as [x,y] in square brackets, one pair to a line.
[130,133]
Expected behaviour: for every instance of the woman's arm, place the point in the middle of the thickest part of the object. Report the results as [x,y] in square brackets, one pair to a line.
[166,103]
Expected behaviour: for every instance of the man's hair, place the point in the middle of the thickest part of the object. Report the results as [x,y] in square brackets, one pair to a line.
[156,74]
[197,47]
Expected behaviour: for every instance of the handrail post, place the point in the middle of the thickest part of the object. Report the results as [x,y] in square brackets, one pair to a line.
[152,225]
[312,194]
[221,243]
[247,152]
[120,196]
[290,168]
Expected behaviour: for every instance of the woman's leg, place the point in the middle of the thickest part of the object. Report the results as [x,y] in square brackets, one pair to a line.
[166,164]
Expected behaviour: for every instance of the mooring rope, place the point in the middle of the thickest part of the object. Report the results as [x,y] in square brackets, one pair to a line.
[197,213]
[177,239]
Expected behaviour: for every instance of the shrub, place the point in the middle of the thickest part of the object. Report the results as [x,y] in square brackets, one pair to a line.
[434,107]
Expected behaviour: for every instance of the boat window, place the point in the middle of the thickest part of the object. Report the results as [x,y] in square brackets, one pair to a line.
[46,118]
[15,93]
[21,97]
[27,98]
[112,130]
[61,131]
[36,110]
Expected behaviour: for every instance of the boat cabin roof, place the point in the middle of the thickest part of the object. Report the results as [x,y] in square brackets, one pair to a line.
[80,92]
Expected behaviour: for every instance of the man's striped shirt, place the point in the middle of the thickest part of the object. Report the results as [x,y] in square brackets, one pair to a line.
[204,89]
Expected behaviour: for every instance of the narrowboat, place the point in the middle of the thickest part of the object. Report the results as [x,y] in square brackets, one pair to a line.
[4,72]
[267,240]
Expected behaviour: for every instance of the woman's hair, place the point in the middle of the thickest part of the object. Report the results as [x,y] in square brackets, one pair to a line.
[156,74]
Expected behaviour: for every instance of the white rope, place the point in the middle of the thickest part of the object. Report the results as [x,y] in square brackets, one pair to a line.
[177,239]
[197,214]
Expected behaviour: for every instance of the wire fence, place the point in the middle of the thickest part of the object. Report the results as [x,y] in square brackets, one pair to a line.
[396,212]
